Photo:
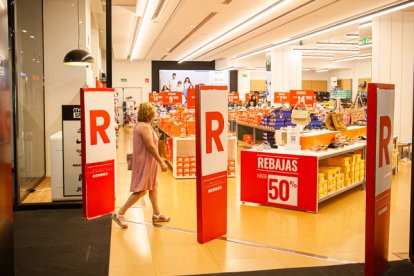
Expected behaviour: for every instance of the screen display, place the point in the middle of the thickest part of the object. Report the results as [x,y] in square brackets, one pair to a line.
[181,80]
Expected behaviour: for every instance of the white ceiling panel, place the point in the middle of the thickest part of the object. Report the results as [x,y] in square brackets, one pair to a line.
[187,25]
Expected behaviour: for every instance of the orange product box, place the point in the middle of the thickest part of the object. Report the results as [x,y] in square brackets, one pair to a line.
[180,174]
[186,174]
[192,164]
[186,165]
[192,170]
[179,158]
[192,174]
[180,164]
[339,161]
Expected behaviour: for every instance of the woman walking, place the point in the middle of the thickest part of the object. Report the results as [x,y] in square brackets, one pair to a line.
[145,157]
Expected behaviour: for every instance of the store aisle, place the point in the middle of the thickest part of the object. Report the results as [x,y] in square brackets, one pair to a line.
[295,239]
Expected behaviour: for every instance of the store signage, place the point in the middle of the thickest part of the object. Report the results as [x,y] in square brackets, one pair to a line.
[245,75]
[212,155]
[98,151]
[282,98]
[233,97]
[124,80]
[364,40]
[287,181]
[172,98]
[72,149]
[307,95]
[379,176]
[146,80]
[155,97]
[190,98]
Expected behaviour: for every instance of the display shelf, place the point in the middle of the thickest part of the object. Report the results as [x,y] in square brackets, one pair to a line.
[340,191]
[186,146]
[288,178]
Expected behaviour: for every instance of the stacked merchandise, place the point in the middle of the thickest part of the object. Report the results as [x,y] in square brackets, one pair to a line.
[339,172]
[248,139]
[178,123]
[231,168]
[186,165]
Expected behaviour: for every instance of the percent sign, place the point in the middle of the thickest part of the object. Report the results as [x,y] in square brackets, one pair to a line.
[293,184]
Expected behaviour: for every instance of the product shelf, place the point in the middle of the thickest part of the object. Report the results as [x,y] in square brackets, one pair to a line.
[340,191]
[289,178]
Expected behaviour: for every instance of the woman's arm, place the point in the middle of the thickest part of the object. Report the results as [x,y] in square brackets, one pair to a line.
[147,135]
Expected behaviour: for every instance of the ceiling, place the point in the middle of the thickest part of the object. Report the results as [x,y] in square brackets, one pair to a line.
[187,25]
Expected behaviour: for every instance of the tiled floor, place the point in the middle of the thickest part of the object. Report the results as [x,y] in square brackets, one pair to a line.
[335,235]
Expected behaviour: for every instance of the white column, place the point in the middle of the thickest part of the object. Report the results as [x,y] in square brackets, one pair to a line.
[392,62]
[286,68]
[243,83]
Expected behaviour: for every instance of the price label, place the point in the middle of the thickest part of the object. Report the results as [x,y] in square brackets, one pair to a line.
[282,190]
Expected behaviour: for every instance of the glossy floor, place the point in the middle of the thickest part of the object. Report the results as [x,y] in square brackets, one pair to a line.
[258,237]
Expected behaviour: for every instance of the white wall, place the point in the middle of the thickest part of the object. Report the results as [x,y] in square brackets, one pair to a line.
[243,83]
[62,82]
[134,71]
[286,67]
[393,55]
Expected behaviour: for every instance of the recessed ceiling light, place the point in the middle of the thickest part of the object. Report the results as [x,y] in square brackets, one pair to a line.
[319,50]
[347,58]
[32,36]
[306,69]
[352,35]
[318,56]
[192,26]
[25,31]
[339,44]
[365,25]
[322,70]
[80,22]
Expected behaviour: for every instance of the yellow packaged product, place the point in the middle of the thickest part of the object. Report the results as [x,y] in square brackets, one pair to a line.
[346,170]
[339,161]
[331,185]
[321,177]
[348,182]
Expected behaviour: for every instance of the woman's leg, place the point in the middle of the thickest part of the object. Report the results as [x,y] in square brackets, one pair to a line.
[153,195]
[133,198]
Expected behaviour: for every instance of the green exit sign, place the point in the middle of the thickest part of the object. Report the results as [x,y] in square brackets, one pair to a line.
[124,80]
[365,40]
[245,75]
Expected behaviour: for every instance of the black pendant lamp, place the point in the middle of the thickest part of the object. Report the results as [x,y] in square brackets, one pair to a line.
[78,57]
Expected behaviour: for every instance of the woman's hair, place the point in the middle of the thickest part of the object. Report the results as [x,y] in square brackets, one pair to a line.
[187,78]
[179,82]
[146,112]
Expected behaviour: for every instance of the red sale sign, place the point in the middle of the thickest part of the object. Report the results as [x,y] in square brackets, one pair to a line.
[274,179]
[172,98]
[211,159]
[282,98]
[233,97]
[155,97]
[190,98]
[379,176]
[307,95]
[98,151]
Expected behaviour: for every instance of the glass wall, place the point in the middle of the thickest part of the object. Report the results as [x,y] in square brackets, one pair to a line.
[30,123]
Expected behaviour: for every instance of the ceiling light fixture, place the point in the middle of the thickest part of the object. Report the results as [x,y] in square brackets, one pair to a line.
[143,27]
[307,69]
[159,9]
[25,31]
[77,56]
[347,58]
[365,56]
[352,35]
[365,25]
[333,27]
[318,50]
[256,69]
[364,46]
[318,56]
[232,30]
[322,70]
[339,44]
[141,4]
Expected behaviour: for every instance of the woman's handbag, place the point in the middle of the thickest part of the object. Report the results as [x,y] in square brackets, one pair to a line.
[129,161]
[358,115]
[300,116]
[335,118]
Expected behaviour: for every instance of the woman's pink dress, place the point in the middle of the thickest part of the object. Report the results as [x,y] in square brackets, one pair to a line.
[144,165]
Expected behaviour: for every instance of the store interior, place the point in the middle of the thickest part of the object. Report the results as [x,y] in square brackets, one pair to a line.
[329,50]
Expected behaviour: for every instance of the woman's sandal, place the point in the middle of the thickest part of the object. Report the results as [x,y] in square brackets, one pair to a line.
[119,219]
[160,218]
